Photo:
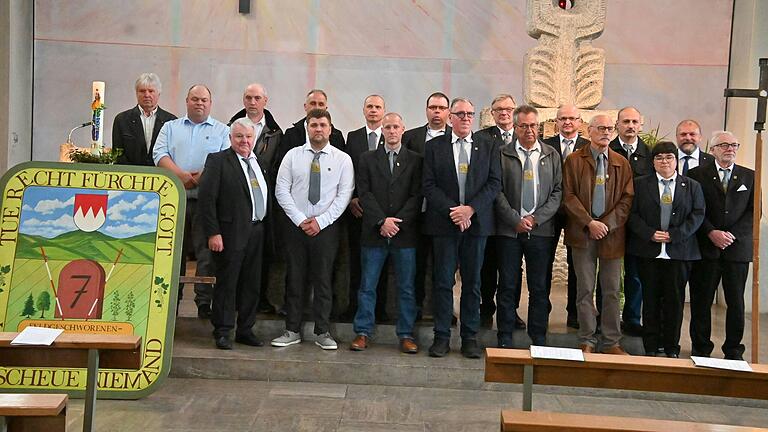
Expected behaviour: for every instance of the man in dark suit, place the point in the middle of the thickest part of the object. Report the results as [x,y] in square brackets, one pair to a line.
[134,131]
[233,205]
[389,187]
[632,147]
[689,155]
[414,139]
[502,133]
[360,141]
[667,210]
[462,176]
[725,239]
[568,121]
[268,136]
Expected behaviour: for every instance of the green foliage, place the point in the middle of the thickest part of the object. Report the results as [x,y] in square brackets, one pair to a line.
[29,307]
[114,305]
[161,290]
[43,303]
[4,270]
[85,156]
[95,245]
[130,305]
[652,136]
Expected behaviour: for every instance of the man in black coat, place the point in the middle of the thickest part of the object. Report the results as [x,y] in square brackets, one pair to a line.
[134,131]
[388,181]
[462,176]
[233,204]
[725,239]
[568,121]
[667,210]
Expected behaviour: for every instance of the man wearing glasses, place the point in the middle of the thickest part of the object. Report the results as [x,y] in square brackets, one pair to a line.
[667,210]
[725,239]
[598,191]
[566,142]
[460,182]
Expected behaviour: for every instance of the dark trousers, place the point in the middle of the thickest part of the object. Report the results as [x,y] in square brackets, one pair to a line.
[511,251]
[238,284]
[705,278]
[195,240]
[450,253]
[633,291]
[570,306]
[355,227]
[489,280]
[663,287]
[423,261]
[310,263]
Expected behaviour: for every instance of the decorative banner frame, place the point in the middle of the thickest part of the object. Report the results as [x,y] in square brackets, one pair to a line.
[91,249]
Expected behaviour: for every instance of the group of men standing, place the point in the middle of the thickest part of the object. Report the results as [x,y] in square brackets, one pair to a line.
[475,201]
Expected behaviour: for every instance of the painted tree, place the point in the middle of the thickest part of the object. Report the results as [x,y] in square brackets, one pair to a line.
[29,307]
[43,303]
[114,305]
[130,305]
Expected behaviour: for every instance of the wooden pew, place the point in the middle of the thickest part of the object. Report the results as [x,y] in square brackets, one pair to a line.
[74,350]
[33,412]
[656,374]
[541,421]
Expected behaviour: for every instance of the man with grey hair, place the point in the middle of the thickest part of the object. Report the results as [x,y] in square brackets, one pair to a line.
[232,218]
[134,131]
[725,240]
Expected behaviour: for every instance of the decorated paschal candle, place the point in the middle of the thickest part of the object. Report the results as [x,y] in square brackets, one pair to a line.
[97,117]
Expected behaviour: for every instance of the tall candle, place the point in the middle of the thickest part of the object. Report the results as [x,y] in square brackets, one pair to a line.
[97,116]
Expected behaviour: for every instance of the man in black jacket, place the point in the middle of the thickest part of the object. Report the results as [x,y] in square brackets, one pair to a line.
[725,239]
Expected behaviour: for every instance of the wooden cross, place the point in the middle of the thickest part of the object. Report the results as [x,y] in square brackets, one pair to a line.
[760,93]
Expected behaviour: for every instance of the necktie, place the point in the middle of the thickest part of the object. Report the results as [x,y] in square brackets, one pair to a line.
[726,177]
[314,179]
[507,137]
[528,183]
[567,149]
[628,148]
[463,170]
[256,192]
[666,204]
[686,158]
[372,141]
[598,195]
[392,157]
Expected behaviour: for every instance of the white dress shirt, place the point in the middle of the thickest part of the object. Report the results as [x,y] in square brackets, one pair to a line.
[337,180]
[432,133]
[258,127]
[663,254]
[259,176]
[632,146]
[693,162]
[535,154]
[148,123]
[571,147]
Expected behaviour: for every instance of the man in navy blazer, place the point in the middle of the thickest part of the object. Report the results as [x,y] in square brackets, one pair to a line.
[667,210]
[725,239]
[462,176]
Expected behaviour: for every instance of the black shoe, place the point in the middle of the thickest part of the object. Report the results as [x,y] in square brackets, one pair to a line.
[223,343]
[734,357]
[505,342]
[204,311]
[248,339]
[650,353]
[282,312]
[631,329]
[673,355]
[265,308]
[519,323]
[572,322]
[660,350]
[695,353]
[440,347]
[470,349]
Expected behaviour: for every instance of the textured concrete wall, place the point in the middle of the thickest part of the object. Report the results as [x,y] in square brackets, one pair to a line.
[668,58]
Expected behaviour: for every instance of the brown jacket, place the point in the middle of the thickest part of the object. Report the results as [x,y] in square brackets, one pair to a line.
[578,184]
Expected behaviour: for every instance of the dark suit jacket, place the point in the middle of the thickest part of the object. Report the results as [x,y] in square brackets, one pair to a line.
[645,219]
[728,211]
[357,144]
[554,142]
[704,159]
[495,134]
[296,136]
[128,135]
[441,185]
[384,194]
[224,203]
[641,160]
[414,139]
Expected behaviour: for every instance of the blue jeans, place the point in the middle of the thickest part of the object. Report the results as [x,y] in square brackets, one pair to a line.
[451,252]
[536,250]
[633,291]
[372,260]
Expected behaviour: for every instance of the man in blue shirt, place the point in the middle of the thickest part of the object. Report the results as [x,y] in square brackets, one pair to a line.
[182,147]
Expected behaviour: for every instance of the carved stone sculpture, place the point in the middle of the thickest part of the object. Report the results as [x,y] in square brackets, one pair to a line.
[564,67]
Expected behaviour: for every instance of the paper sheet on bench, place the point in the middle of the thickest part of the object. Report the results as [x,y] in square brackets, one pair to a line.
[736,365]
[556,353]
[36,336]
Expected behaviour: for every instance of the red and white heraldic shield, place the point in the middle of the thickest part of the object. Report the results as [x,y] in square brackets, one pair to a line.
[90,211]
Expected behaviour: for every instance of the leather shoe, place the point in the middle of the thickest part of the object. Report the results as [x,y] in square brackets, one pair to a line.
[408,346]
[572,322]
[359,344]
[223,343]
[616,350]
[470,349]
[734,357]
[673,355]
[519,323]
[440,347]
[204,311]
[587,348]
[248,339]
[695,353]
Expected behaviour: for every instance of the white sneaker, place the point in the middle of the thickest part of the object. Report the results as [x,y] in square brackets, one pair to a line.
[325,341]
[288,338]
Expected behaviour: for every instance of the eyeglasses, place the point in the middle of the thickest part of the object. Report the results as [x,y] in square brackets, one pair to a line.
[726,146]
[661,158]
[531,126]
[464,114]
[437,107]
[604,129]
[503,110]
[571,119]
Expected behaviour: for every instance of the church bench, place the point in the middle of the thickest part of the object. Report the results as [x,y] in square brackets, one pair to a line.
[33,412]
[655,374]
[542,421]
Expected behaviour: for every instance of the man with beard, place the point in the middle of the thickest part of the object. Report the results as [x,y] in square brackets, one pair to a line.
[688,135]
